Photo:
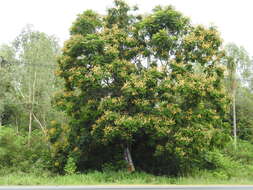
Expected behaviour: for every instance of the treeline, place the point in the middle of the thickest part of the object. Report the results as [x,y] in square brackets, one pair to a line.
[150,93]
[27,86]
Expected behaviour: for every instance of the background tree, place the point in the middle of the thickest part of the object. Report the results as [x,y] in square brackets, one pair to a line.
[27,86]
[239,70]
[7,84]
[28,81]
[244,112]
[36,53]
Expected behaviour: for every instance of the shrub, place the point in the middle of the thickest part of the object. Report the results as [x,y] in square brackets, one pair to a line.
[243,153]
[70,167]
[16,155]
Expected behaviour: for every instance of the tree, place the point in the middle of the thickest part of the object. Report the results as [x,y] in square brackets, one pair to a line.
[132,88]
[27,84]
[238,66]
[7,83]
[36,53]
[28,81]
[244,113]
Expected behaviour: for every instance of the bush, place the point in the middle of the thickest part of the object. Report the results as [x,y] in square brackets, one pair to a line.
[230,162]
[215,160]
[243,153]
[70,167]
[120,165]
[16,155]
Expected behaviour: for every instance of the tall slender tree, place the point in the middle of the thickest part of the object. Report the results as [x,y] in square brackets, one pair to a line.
[238,65]
[36,53]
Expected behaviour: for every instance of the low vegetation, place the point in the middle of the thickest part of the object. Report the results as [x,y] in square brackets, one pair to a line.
[244,177]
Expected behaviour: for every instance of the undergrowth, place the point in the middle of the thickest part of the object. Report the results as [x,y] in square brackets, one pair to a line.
[230,166]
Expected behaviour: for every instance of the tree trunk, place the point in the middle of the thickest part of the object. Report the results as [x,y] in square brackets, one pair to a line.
[32,99]
[41,126]
[128,159]
[16,121]
[234,121]
[30,128]
[148,61]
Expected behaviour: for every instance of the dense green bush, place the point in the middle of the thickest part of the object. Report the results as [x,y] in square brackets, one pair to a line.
[70,166]
[230,162]
[16,155]
[243,152]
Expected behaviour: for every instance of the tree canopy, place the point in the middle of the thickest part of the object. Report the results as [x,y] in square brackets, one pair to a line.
[150,85]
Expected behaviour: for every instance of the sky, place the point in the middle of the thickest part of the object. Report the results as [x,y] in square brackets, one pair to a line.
[233,18]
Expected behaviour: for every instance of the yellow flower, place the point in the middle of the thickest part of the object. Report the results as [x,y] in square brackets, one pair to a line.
[52,131]
[53,122]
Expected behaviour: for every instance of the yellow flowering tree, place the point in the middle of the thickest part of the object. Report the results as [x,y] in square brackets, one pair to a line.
[144,89]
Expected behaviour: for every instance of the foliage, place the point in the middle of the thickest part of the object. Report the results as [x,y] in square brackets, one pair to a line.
[70,167]
[239,84]
[28,82]
[152,83]
[245,113]
[27,86]
[230,163]
[15,155]
[126,178]
[120,165]
[7,84]
[36,53]
[243,154]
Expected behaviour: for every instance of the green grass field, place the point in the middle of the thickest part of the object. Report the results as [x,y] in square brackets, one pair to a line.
[118,178]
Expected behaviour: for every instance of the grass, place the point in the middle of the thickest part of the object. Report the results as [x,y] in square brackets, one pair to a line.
[120,178]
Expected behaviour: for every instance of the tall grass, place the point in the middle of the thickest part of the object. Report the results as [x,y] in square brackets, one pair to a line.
[121,178]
